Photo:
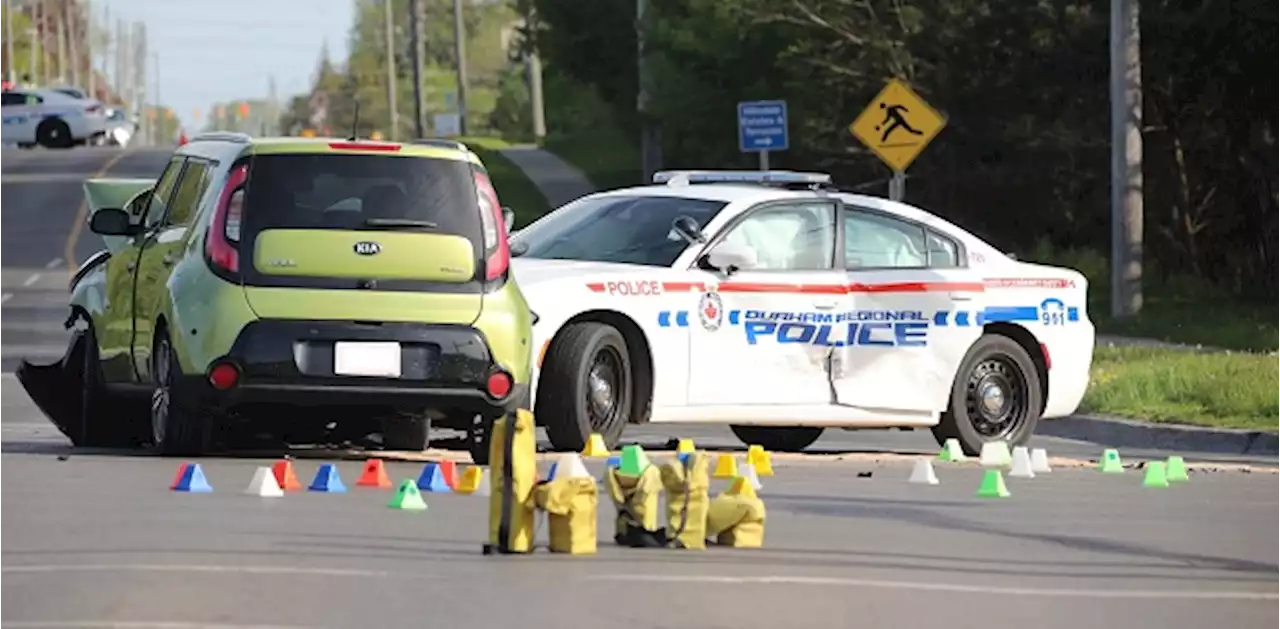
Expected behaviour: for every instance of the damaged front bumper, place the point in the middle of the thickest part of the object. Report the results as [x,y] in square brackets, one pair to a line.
[55,388]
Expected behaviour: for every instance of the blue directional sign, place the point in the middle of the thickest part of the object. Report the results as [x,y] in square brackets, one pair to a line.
[762,126]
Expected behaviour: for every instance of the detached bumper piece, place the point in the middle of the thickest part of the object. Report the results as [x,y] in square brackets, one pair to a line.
[410,365]
[55,388]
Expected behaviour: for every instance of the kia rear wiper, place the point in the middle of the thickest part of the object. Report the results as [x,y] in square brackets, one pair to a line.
[400,222]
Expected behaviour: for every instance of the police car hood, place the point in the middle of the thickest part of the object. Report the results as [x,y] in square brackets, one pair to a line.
[532,272]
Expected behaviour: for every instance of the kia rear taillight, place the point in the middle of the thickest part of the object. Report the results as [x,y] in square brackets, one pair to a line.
[222,241]
[497,256]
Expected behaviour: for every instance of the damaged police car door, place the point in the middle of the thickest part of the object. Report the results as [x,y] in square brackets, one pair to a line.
[752,338]
[916,310]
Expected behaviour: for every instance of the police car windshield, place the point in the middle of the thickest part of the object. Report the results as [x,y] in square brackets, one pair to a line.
[625,229]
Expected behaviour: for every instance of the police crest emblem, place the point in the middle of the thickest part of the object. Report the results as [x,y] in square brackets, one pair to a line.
[710,311]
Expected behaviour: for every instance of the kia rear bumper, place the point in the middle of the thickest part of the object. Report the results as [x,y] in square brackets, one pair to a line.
[441,367]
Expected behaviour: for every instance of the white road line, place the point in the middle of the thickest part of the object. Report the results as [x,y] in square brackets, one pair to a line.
[54,263]
[993,590]
[114,624]
[5,297]
[35,277]
[944,587]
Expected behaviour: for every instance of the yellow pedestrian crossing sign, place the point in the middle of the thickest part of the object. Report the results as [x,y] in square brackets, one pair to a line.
[897,125]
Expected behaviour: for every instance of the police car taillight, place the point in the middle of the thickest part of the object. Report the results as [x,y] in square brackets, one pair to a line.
[497,253]
[222,241]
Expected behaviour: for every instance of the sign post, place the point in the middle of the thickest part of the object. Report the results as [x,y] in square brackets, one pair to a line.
[897,126]
[762,127]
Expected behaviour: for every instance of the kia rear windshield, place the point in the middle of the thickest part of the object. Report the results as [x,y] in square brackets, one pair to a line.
[626,229]
[362,192]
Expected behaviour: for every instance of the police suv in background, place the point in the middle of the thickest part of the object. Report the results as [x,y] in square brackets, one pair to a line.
[51,118]
[776,304]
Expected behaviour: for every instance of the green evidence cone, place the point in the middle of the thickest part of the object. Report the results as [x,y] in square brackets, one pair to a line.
[1175,470]
[634,461]
[1155,475]
[951,451]
[1110,462]
[992,485]
[408,497]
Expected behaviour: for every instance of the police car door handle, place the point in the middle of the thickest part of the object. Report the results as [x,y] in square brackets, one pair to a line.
[960,297]
[825,305]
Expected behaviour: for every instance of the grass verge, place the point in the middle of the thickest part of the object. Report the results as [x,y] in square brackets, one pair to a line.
[515,190]
[1216,389]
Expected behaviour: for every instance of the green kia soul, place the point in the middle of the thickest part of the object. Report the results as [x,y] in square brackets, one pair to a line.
[292,285]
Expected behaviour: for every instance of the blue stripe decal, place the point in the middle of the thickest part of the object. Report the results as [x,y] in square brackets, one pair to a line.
[1017,313]
[962,318]
[733,316]
[682,318]
[664,319]
[979,318]
[940,318]
[1073,314]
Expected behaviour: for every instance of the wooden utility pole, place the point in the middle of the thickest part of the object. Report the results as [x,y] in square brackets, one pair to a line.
[389,29]
[419,54]
[1126,160]
[460,58]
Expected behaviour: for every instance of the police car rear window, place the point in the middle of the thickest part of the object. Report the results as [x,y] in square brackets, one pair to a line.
[362,192]
[626,229]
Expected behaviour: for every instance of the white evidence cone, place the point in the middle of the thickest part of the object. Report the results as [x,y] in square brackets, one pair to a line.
[1021,464]
[264,484]
[571,466]
[995,454]
[748,472]
[922,473]
[1040,461]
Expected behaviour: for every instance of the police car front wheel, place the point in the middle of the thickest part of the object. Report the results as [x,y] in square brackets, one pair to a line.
[54,134]
[996,396]
[585,386]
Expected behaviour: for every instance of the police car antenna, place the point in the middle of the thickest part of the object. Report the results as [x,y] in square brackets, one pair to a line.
[355,122]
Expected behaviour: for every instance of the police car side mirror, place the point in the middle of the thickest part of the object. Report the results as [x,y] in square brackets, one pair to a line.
[730,257]
[113,222]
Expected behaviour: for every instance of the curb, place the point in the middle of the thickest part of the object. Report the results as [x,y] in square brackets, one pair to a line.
[1125,433]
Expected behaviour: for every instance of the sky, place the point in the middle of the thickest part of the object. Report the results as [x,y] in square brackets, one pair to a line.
[228,49]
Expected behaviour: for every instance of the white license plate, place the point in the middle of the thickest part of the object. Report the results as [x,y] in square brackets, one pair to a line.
[366,359]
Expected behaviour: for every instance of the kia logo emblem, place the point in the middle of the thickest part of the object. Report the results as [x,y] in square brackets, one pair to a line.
[367,248]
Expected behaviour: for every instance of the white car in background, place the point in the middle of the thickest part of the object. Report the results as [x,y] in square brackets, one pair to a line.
[773,303]
[51,118]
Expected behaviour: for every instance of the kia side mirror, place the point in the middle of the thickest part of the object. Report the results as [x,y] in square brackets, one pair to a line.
[112,222]
[730,257]
[509,217]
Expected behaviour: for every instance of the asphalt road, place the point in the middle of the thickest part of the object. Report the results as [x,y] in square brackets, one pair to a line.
[94,539]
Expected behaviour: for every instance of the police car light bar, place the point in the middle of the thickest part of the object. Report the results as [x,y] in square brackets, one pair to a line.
[686,177]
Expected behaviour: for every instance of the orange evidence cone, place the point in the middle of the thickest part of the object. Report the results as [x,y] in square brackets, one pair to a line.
[285,476]
[449,470]
[374,475]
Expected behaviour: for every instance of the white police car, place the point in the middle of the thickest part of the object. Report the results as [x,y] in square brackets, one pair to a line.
[51,118]
[776,304]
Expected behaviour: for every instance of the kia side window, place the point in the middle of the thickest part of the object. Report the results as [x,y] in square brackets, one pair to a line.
[159,201]
[875,241]
[798,237]
[195,180]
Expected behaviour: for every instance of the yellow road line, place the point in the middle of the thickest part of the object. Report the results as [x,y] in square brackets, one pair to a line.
[69,251]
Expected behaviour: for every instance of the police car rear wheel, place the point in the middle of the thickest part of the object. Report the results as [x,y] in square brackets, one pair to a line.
[776,438]
[585,386]
[996,396]
[54,134]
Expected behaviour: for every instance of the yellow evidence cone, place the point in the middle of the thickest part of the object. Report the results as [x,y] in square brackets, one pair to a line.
[726,467]
[685,446]
[595,447]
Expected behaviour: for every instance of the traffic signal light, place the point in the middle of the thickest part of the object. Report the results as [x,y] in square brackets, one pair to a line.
[244,110]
